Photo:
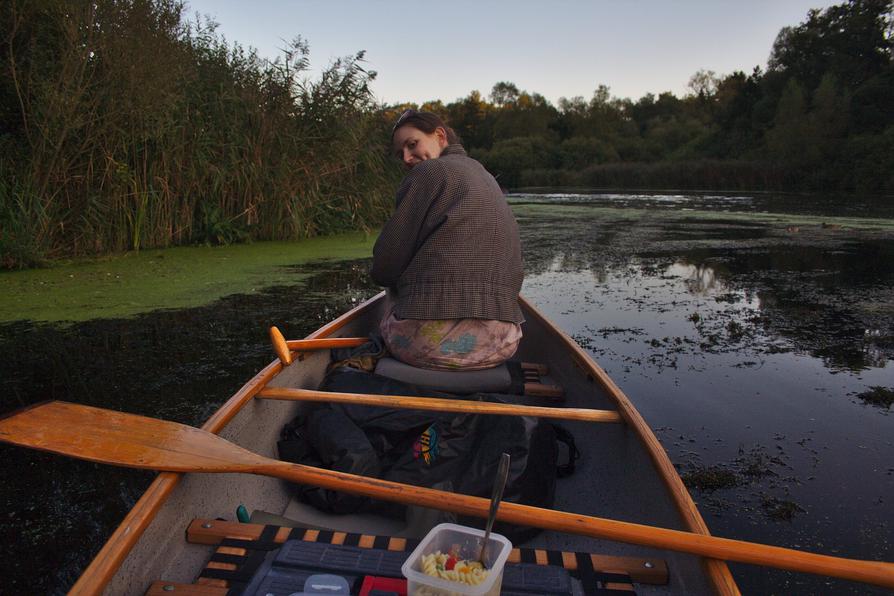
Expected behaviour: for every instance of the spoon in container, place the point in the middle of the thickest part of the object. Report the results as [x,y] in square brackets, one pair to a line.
[499,485]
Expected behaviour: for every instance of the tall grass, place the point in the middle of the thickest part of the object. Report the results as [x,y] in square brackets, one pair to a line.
[132,127]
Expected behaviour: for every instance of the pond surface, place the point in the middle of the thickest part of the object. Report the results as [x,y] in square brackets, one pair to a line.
[746,329]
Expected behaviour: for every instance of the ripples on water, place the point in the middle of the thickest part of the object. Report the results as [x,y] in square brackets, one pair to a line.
[764,202]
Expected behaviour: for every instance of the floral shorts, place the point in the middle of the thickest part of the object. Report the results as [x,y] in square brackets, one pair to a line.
[448,344]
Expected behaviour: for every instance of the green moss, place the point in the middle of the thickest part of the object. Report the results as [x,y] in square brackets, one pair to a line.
[709,479]
[780,509]
[133,283]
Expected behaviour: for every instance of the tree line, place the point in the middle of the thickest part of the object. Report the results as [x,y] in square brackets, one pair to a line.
[819,117]
[124,125]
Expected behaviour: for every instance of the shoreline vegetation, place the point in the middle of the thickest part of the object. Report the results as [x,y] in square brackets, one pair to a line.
[133,283]
[126,126]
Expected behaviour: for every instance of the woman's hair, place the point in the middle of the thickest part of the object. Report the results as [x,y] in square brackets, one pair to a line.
[427,122]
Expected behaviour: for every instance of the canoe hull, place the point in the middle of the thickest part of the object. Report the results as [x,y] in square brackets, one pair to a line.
[620,476]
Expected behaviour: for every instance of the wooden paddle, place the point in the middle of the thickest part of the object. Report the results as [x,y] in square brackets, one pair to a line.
[283,347]
[138,442]
[440,405]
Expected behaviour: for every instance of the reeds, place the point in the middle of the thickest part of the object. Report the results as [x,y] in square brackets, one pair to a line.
[131,127]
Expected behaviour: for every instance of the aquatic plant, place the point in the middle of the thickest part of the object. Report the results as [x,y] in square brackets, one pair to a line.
[780,509]
[709,479]
[878,396]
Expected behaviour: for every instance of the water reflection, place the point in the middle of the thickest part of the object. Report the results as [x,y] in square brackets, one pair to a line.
[878,346]
[755,382]
[700,279]
[816,296]
[751,351]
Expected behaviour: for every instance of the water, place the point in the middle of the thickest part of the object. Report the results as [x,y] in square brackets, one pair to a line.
[745,343]
[176,365]
[746,347]
[828,205]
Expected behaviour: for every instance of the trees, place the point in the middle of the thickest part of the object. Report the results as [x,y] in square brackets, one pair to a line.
[850,41]
[503,93]
[791,137]
[104,150]
[469,117]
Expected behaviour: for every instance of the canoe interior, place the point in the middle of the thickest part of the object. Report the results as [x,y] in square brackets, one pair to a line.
[615,478]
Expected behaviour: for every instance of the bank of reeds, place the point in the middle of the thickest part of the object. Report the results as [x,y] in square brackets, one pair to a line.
[126,126]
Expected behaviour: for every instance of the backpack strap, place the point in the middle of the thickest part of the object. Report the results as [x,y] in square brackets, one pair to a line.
[563,435]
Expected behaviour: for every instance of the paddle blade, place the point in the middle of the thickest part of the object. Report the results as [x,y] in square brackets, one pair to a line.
[128,440]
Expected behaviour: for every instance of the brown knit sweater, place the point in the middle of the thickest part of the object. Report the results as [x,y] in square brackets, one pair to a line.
[451,248]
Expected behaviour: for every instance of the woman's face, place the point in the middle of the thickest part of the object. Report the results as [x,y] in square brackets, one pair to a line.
[412,146]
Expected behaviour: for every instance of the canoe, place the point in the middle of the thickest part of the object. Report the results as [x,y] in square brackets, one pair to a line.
[626,493]
[625,474]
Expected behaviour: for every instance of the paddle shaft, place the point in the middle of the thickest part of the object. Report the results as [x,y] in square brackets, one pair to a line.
[440,405]
[135,441]
[873,572]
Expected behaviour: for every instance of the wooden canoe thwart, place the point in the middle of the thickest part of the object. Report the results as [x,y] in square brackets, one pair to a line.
[625,474]
[440,405]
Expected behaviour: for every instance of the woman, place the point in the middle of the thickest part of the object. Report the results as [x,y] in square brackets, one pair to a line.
[450,255]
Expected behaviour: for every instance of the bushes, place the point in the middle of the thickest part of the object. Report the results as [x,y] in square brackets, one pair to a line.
[868,162]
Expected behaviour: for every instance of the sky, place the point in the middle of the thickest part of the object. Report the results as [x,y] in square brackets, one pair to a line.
[557,48]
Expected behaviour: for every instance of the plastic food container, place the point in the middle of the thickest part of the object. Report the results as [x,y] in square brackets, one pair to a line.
[442,538]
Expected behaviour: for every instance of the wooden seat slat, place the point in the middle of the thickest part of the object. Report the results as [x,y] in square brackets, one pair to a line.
[641,570]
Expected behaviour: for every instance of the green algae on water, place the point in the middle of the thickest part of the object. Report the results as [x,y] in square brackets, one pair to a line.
[134,283]
[780,509]
[878,396]
[709,479]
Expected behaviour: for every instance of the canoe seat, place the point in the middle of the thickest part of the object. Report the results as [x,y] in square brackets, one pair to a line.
[493,380]
[511,377]
[241,551]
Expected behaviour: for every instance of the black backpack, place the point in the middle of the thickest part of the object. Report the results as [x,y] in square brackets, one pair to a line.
[447,451]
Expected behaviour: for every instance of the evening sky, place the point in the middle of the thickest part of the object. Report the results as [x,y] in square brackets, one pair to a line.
[558,48]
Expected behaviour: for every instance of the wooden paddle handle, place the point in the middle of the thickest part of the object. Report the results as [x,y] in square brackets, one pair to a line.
[299,345]
[280,346]
[439,405]
[284,347]
[872,572]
